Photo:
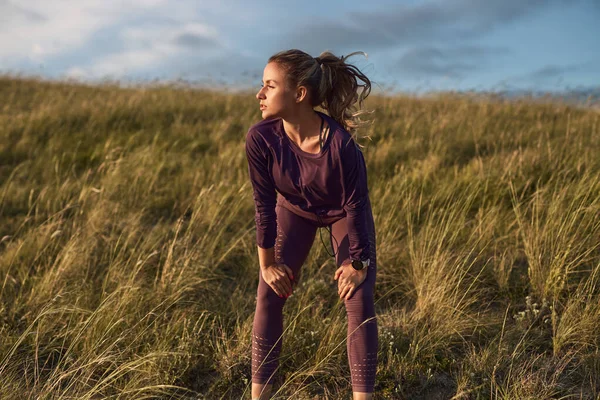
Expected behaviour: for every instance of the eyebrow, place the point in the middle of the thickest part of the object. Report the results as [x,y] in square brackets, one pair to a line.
[270,80]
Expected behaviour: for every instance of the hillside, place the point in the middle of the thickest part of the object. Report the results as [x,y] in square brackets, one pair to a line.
[129,264]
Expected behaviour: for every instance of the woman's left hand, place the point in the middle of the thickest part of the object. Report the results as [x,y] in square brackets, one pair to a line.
[349,279]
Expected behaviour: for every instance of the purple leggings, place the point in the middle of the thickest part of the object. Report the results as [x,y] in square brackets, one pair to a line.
[295,236]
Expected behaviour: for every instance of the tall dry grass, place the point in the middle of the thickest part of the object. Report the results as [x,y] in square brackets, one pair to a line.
[129,269]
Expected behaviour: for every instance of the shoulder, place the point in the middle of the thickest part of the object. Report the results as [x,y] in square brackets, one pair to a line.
[341,140]
[263,133]
[343,145]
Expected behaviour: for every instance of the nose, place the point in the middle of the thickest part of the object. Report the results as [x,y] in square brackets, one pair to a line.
[260,94]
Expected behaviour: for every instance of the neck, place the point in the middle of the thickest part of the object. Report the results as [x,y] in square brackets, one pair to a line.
[302,125]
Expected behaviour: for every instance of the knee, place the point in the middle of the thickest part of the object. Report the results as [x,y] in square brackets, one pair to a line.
[362,301]
[267,298]
[360,297]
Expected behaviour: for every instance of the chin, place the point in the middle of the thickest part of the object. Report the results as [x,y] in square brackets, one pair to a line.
[267,115]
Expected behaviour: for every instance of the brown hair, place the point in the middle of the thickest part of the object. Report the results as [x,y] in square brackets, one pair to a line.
[332,83]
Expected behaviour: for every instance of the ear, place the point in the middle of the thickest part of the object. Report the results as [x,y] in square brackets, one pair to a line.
[301,93]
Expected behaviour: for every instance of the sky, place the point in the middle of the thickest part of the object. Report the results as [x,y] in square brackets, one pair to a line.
[410,45]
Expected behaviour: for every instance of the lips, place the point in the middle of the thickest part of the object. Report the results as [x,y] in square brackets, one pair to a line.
[262,107]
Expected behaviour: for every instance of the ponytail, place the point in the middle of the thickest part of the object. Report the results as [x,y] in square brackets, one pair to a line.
[331,82]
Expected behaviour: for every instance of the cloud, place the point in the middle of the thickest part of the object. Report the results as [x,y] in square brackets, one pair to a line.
[554,71]
[404,25]
[37,30]
[453,62]
[194,41]
[555,75]
[144,49]
[14,12]
[96,39]
[41,31]
[551,76]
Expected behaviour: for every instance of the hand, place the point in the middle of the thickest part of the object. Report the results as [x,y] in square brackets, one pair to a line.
[280,278]
[349,280]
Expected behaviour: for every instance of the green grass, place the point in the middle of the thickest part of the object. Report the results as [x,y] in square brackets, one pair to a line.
[129,267]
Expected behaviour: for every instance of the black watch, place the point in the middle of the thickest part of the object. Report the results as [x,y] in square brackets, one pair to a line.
[359,265]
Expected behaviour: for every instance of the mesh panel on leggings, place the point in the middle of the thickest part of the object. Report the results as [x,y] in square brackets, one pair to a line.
[268,326]
[264,359]
[363,339]
[278,245]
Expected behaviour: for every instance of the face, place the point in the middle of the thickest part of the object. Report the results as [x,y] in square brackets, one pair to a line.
[274,99]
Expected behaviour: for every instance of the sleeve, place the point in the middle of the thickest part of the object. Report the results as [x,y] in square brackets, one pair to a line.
[356,200]
[265,197]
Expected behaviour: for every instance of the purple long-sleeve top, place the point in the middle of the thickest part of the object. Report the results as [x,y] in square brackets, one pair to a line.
[331,183]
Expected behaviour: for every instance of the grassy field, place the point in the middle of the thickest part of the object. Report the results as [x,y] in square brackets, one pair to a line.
[129,266]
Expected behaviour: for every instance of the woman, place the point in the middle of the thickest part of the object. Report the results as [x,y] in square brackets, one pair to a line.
[317,168]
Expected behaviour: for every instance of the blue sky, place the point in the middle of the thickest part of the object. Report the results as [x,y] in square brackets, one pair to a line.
[411,45]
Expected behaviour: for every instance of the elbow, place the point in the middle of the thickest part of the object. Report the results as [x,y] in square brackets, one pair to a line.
[356,205]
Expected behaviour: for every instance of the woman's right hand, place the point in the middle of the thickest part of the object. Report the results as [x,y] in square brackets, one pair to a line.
[280,278]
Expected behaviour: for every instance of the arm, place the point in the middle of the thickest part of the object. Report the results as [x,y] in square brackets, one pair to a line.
[266,257]
[356,197]
[265,198]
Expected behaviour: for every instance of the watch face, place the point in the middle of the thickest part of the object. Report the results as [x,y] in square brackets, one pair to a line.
[357,264]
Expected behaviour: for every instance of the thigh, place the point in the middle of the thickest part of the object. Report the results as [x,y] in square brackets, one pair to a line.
[295,236]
